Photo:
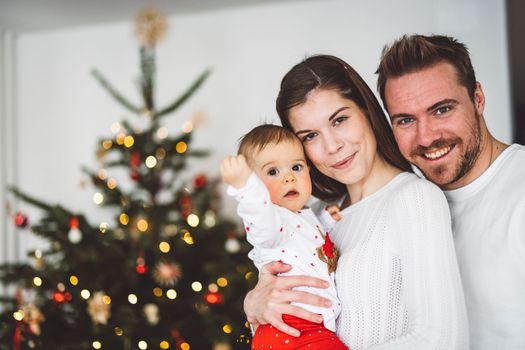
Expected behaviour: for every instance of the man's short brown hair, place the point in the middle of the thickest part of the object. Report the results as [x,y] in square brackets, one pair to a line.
[412,53]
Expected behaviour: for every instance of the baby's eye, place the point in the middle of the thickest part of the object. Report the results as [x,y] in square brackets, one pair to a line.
[272,172]
[297,167]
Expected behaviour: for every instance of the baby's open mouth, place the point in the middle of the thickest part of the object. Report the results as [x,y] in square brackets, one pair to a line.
[291,193]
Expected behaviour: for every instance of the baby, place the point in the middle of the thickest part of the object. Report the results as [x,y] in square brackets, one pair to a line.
[271,181]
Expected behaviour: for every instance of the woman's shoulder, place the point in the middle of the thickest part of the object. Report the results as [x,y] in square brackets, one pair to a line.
[413,185]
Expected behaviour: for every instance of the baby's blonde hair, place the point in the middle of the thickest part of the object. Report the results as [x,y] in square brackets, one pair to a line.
[261,136]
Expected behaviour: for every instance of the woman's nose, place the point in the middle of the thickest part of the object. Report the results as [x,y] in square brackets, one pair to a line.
[333,144]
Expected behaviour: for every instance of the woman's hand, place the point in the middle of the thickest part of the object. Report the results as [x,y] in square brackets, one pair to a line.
[272,295]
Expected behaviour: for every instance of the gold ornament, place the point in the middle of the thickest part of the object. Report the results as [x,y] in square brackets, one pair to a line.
[167,274]
[98,309]
[150,26]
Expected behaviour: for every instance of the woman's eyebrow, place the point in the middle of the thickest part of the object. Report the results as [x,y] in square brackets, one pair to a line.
[332,116]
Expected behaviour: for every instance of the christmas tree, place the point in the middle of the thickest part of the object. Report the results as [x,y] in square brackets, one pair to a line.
[169,273]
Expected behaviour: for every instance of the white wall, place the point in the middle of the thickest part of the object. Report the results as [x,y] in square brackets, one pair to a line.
[62,110]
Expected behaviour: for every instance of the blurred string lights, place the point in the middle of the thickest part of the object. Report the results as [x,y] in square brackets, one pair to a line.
[98,301]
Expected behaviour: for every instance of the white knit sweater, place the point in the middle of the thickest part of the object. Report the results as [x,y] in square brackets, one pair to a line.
[397,277]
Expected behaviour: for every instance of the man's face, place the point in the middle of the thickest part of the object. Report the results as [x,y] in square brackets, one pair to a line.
[436,124]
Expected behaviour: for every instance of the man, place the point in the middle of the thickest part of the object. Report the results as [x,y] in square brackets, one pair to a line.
[429,89]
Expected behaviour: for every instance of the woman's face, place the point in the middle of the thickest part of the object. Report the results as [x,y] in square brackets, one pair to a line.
[336,135]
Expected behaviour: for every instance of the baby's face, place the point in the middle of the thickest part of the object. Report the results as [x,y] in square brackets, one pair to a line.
[282,168]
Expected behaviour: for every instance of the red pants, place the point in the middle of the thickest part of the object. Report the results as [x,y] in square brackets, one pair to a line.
[313,336]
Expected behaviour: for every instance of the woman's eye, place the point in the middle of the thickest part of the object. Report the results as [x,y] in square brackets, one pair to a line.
[297,167]
[339,120]
[272,172]
[308,137]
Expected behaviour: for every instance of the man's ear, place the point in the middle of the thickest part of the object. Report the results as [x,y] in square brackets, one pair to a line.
[479,99]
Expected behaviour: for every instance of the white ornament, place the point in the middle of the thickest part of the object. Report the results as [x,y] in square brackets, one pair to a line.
[74,235]
[232,245]
[151,311]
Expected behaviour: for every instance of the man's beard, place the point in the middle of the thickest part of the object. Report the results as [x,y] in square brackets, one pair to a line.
[467,160]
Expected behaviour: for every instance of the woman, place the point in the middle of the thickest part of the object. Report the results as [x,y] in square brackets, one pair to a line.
[397,275]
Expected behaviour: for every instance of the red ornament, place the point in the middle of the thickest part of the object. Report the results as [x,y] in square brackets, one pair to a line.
[134,175]
[141,267]
[61,297]
[199,181]
[328,247]
[73,223]
[135,159]
[21,220]
[213,298]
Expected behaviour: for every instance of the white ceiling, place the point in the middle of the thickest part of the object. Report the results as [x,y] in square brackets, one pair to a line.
[24,16]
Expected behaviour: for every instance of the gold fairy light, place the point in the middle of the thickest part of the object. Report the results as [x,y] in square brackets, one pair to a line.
[171,294]
[124,219]
[188,238]
[120,138]
[61,287]
[112,183]
[18,315]
[157,292]
[196,286]
[213,288]
[115,127]
[129,141]
[222,282]
[185,346]
[73,280]
[181,147]
[98,198]
[142,345]
[248,275]
[187,127]
[150,26]
[85,294]
[96,345]
[106,299]
[164,247]
[164,345]
[118,331]
[103,227]
[102,174]
[193,220]
[151,161]
[227,329]
[132,298]
[162,132]
[106,144]
[142,225]
[37,281]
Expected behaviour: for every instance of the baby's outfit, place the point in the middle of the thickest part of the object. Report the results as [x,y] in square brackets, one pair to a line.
[295,238]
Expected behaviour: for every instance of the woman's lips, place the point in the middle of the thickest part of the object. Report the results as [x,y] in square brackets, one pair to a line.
[343,163]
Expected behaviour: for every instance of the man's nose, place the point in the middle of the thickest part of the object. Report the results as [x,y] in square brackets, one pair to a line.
[427,132]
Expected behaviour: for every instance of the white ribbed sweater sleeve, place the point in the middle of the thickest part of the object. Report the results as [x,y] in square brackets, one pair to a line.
[408,291]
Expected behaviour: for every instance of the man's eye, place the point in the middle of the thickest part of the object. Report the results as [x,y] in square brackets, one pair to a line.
[442,110]
[404,121]
[272,172]
[297,167]
[308,137]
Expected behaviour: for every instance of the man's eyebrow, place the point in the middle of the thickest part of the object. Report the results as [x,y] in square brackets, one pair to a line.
[332,116]
[442,102]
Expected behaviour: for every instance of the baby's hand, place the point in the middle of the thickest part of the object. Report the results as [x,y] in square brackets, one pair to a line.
[235,171]
[334,211]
